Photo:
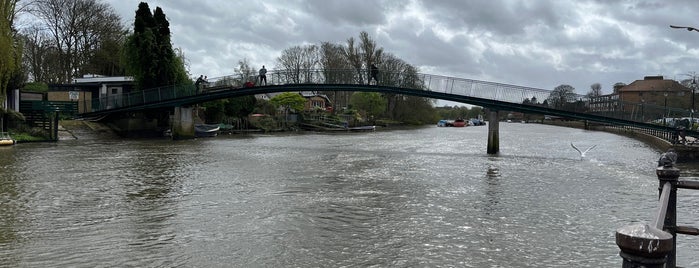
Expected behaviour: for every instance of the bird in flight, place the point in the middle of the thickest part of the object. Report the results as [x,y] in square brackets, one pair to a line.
[684,27]
[582,153]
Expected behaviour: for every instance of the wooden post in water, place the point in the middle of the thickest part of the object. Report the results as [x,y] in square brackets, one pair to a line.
[493,132]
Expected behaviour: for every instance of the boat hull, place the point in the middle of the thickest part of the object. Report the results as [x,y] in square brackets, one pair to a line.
[206,130]
[7,142]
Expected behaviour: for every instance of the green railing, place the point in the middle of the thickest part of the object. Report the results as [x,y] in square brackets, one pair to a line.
[143,97]
[65,107]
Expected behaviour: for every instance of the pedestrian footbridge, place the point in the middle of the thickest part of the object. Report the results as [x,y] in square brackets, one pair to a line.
[491,95]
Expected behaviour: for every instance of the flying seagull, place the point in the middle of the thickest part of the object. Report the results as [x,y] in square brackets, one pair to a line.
[684,27]
[582,153]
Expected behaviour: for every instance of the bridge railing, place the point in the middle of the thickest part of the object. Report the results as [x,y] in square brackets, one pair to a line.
[654,245]
[142,97]
[566,101]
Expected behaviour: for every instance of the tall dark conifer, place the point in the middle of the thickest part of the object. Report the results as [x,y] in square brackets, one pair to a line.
[166,56]
[152,61]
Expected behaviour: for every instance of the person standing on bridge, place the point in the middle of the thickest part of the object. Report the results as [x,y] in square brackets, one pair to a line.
[263,75]
[374,74]
[197,84]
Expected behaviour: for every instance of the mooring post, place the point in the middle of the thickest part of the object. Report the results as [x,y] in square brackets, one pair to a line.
[643,246]
[670,175]
[493,132]
[653,246]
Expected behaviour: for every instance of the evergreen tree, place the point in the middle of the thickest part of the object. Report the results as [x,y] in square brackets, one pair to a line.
[149,54]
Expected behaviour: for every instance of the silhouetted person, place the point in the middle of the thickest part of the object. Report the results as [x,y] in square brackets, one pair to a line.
[683,137]
[198,83]
[374,73]
[263,75]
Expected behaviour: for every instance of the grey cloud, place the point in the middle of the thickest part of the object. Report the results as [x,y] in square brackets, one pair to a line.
[511,41]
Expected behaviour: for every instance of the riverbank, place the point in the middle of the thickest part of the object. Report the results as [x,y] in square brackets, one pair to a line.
[659,144]
[686,153]
[80,129]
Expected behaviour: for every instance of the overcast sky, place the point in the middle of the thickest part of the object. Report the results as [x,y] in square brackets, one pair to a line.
[540,44]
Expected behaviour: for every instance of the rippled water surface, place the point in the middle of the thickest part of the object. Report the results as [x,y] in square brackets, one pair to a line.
[425,197]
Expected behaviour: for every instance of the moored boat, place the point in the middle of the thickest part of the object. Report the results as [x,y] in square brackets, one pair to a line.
[206,130]
[362,128]
[6,140]
[459,123]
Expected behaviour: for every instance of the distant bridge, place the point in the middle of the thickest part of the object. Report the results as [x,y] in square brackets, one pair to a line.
[490,95]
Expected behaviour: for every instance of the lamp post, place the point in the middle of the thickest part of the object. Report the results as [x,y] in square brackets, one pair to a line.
[691,114]
[665,113]
[694,78]
[643,114]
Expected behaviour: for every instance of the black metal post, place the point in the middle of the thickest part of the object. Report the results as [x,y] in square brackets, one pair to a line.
[691,115]
[670,175]
[654,245]
[665,112]
[643,246]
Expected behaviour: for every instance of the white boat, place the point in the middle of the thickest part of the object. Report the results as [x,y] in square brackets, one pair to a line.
[206,130]
[363,128]
[6,140]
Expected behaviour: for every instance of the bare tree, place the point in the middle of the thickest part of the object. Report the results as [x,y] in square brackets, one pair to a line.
[245,71]
[297,63]
[595,90]
[396,72]
[353,56]
[79,29]
[40,56]
[370,53]
[561,95]
[331,58]
[335,66]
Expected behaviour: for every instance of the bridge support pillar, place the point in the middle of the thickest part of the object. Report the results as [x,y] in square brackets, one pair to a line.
[183,123]
[493,132]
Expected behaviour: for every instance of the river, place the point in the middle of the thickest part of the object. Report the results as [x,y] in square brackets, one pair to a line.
[425,197]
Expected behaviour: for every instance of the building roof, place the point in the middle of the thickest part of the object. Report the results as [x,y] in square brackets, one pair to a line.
[311,94]
[654,83]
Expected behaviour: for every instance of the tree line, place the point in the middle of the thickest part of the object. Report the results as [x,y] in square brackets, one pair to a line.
[300,63]
[65,39]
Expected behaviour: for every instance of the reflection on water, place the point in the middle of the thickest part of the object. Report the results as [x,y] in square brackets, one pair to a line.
[406,198]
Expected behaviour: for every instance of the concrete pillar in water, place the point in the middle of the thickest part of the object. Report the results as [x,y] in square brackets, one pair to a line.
[493,132]
[183,123]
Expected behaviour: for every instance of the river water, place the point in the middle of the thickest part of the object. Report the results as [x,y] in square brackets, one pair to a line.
[425,197]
